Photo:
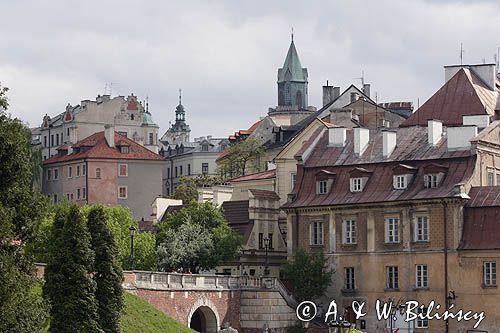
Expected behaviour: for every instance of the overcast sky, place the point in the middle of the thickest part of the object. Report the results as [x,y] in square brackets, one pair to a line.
[225,54]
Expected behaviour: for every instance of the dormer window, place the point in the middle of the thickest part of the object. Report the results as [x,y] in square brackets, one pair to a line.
[204,147]
[124,149]
[356,184]
[322,186]
[431,180]
[400,182]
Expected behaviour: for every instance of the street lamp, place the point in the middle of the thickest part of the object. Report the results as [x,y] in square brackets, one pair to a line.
[340,326]
[266,246]
[132,230]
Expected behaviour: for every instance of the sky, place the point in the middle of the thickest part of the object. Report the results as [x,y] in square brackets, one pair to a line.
[224,55]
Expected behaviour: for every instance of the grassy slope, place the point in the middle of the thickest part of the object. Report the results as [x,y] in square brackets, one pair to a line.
[141,317]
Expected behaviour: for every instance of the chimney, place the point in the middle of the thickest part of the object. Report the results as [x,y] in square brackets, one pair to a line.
[459,137]
[109,134]
[361,138]
[366,89]
[434,131]
[481,121]
[327,94]
[389,143]
[336,92]
[337,136]
[341,117]
[487,72]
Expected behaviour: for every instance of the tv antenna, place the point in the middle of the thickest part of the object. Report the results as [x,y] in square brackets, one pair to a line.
[362,78]
[462,51]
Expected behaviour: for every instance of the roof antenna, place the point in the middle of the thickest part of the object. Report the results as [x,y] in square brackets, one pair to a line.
[292,34]
[180,96]
[462,51]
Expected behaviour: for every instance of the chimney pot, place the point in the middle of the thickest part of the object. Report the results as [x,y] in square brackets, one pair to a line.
[389,143]
[337,136]
[327,94]
[434,131]
[361,139]
[366,89]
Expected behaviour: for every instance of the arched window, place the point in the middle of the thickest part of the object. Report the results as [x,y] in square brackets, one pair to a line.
[98,173]
[298,99]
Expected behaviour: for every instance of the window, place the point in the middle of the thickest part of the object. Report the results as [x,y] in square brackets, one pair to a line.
[261,240]
[56,174]
[57,139]
[78,171]
[84,169]
[55,198]
[71,196]
[400,182]
[52,140]
[349,232]
[321,187]
[204,147]
[122,170]
[98,173]
[204,168]
[122,192]
[422,323]
[84,193]
[78,193]
[421,277]
[180,170]
[151,139]
[317,233]
[176,172]
[422,229]
[67,196]
[431,180]
[131,116]
[49,174]
[491,178]
[349,282]
[392,277]
[70,171]
[392,230]
[45,141]
[293,177]
[490,274]
[498,178]
[270,237]
[168,173]
[356,184]
[123,133]
[189,169]
[124,149]
[67,133]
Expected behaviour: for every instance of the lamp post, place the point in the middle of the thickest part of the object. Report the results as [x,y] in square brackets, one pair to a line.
[132,230]
[340,326]
[266,246]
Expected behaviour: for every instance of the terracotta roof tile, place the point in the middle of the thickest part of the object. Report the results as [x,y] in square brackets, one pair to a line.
[96,146]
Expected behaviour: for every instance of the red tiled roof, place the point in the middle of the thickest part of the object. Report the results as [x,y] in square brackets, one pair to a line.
[98,148]
[464,94]
[256,176]
[484,196]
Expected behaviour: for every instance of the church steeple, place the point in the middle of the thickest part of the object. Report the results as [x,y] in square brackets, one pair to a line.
[179,131]
[292,81]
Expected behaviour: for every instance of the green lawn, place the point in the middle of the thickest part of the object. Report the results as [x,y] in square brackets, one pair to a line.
[141,317]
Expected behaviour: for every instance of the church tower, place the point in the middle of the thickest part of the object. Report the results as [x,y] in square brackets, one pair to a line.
[178,131]
[292,81]
[292,88]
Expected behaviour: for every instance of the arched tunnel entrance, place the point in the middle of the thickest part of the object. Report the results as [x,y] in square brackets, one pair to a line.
[204,320]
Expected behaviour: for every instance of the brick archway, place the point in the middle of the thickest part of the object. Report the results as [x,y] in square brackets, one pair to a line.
[210,313]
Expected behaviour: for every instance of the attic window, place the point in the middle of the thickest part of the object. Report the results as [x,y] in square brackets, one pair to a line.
[322,186]
[204,147]
[400,182]
[431,180]
[124,149]
[357,184]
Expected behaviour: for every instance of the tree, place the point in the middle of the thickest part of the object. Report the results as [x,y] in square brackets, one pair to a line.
[236,160]
[189,247]
[69,284]
[21,208]
[309,275]
[207,218]
[187,191]
[107,271]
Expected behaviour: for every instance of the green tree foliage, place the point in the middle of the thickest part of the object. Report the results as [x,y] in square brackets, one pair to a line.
[68,277]
[107,271]
[21,209]
[189,247]
[210,222]
[240,157]
[309,274]
[187,191]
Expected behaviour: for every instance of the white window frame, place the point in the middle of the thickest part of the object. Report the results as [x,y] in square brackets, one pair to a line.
[421,276]
[293,180]
[316,233]
[431,180]
[78,193]
[70,171]
[392,277]
[119,169]
[203,171]
[349,231]
[490,273]
[84,169]
[392,229]
[349,278]
[422,323]
[421,228]
[356,184]
[84,193]
[56,173]
[126,192]
[400,182]
[322,187]
[78,171]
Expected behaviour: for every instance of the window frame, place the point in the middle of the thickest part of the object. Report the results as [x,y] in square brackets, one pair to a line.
[293,180]
[49,175]
[349,278]
[316,233]
[392,277]
[356,184]
[421,228]
[56,174]
[349,232]
[421,276]
[400,182]
[392,231]
[119,192]
[120,165]
[78,171]
[490,278]
[422,323]
[70,171]
[204,168]
[431,180]
[320,189]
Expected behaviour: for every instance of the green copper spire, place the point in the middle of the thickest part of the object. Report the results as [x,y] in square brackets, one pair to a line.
[292,69]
